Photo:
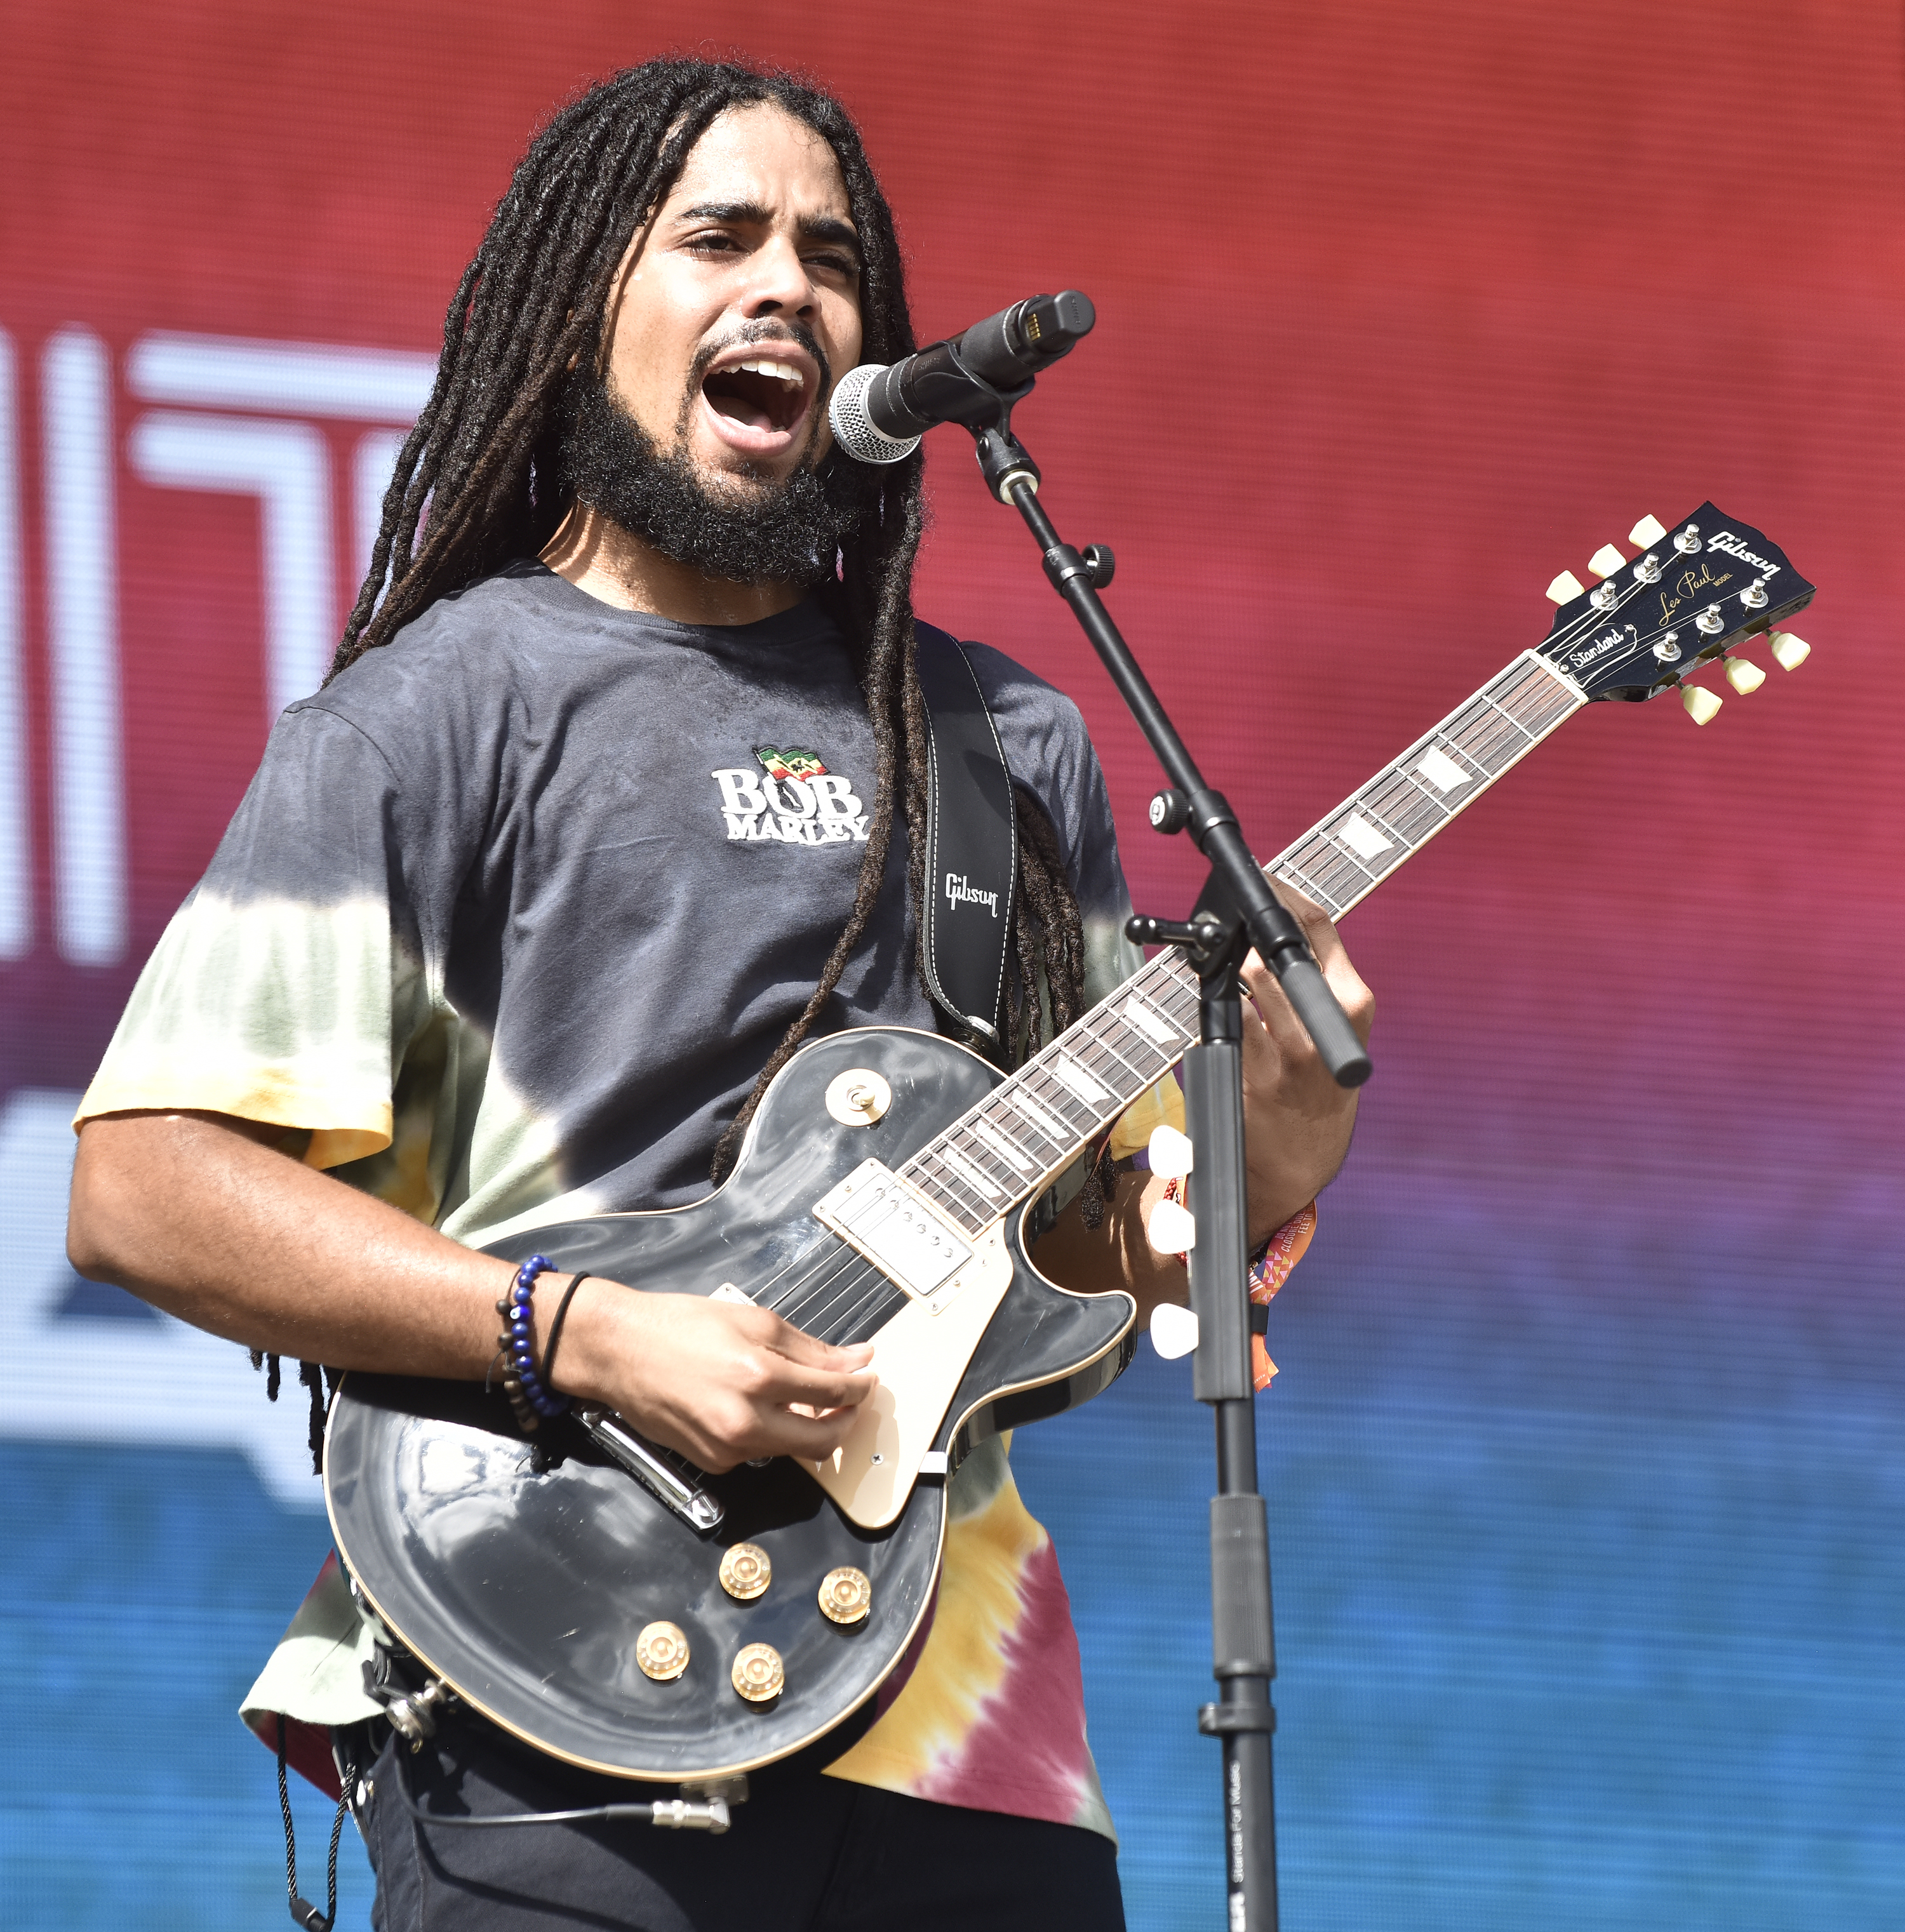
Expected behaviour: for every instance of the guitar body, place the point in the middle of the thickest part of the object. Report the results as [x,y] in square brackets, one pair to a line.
[525,1589]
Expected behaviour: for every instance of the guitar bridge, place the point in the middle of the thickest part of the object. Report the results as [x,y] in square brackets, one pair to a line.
[666,1476]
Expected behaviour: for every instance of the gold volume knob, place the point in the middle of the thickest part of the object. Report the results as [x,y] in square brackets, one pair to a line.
[757,1674]
[846,1596]
[746,1570]
[661,1650]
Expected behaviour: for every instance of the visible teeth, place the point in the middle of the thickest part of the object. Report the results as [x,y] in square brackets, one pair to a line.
[782,371]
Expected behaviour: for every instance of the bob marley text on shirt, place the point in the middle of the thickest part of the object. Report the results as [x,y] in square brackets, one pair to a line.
[792,798]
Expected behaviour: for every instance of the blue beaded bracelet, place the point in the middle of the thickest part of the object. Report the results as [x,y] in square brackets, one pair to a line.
[531,1401]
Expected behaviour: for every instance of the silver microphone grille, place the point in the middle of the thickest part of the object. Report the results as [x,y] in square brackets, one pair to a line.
[854,430]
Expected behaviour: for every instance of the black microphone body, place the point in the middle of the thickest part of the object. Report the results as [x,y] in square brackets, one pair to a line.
[963,379]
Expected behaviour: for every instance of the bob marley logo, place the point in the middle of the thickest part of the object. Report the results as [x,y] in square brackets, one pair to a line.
[791,763]
[792,799]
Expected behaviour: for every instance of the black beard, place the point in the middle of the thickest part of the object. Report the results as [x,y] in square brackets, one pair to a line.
[785,532]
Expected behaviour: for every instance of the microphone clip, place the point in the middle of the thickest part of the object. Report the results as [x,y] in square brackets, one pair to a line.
[1003,460]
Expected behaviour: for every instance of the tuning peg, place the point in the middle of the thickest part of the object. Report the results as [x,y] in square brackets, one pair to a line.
[1605,561]
[1171,1230]
[1744,676]
[1566,587]
[1790,652]
[1647,533]
[1171,1155]
[1702,707]
[1174,1331]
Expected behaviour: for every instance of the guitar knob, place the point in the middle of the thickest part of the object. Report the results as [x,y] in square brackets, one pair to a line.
[757,1673]
[1744,676]
[1606,560]
[746,1570]
[1647,533]
[1702,705]
[846,1595]
[661,1651]
[1790,652]
[1566,588]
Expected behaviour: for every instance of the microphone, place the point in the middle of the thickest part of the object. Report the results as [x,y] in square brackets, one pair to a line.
[879,411]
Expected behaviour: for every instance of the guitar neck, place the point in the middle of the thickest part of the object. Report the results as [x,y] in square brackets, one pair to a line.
[1035,1123]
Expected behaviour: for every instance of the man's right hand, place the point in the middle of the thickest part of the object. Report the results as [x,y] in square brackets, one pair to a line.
[722,1383]
[217,1221]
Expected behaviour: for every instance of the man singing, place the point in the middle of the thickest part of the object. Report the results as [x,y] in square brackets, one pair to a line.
[513,925]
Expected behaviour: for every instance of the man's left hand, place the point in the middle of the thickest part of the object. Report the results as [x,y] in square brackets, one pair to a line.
[1297,1120]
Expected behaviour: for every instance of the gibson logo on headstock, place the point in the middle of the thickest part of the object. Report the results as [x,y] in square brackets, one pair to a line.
[1732,545]
[1690,583]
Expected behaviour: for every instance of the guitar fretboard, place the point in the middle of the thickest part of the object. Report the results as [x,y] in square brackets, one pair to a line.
[1035,1123]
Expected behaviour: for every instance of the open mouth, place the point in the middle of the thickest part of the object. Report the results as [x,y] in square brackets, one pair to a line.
[766,393]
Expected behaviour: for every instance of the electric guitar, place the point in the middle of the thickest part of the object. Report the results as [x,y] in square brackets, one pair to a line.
[607,1602]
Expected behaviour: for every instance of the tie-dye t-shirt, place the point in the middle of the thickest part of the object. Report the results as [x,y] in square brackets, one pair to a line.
[508,920]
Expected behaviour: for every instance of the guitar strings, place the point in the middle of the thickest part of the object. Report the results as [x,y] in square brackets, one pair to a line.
[815,1296]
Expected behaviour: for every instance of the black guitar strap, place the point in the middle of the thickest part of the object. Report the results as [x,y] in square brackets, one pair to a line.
[972,849]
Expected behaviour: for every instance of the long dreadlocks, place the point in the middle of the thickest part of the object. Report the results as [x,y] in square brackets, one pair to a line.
[484,457]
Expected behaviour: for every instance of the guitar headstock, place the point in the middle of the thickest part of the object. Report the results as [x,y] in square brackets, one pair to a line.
[1676,599]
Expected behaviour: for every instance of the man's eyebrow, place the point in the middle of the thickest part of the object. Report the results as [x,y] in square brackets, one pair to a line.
[812,227]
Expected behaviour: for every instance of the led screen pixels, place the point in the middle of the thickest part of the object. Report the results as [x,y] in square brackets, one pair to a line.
[1578,1461]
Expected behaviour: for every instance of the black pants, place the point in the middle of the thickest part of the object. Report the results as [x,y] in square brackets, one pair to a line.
[806,1853]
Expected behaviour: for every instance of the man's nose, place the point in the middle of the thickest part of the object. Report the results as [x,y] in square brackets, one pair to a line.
[778,281]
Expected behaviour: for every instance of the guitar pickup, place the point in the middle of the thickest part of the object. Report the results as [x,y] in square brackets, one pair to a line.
[661,1473]
[875,1211]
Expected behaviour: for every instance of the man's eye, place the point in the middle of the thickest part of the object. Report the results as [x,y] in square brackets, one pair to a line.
[836,265]
[714,242]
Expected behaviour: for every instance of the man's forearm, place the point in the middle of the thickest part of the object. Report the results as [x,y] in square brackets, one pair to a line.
[195,1215]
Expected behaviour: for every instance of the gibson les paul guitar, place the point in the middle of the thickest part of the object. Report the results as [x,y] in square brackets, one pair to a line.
[609,1603]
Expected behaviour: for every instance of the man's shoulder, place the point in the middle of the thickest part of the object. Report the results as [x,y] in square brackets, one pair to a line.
[1018,699]
[454,665]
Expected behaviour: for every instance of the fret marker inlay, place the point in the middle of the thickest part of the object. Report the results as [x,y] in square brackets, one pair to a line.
[1440,770]
[1361,837]
[1002,1146]
[1141,1017]
[1054,1131]
[986,1188]
[1090,1091]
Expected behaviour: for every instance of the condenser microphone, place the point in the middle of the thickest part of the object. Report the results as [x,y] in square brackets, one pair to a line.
[879,411]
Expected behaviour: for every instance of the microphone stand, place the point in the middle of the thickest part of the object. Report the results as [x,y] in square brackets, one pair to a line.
[1236,911]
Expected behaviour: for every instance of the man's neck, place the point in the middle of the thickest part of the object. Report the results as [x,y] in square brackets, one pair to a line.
[596,554]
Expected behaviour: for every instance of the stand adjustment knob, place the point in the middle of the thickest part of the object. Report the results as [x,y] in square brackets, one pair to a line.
[1100,566]
[1170,812]
[1218,1720]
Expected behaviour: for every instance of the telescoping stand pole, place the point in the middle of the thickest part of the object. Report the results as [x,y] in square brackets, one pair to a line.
[1236,911]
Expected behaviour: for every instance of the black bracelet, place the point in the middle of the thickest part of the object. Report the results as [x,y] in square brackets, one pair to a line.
[556,1331]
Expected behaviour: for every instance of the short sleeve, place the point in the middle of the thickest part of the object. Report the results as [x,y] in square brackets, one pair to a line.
[286,987]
